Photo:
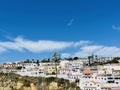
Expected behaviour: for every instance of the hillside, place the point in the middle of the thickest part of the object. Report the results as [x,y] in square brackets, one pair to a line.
[10,81]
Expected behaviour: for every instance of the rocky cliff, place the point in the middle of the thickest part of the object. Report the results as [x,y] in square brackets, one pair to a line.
[10,81]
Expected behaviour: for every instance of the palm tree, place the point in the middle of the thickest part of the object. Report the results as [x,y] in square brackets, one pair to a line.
[89,58]
[56,58]
[96,57]
[92,57]
[38,62]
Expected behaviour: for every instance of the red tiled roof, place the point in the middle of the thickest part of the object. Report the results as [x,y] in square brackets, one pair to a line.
[87,71]
[95,82]
[102,74]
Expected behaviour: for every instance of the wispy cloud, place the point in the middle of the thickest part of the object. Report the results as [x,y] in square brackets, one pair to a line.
[115,27]
[82,43]
[20,44]
[65,55]
[84,48]
[70,22]
[2,49]
[5,33]
[100,50]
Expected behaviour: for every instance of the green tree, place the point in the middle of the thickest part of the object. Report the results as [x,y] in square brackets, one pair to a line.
[96,57]
[27,61]
[44,60]
[19,67]
[89,59]
[48,59]
[75,58]
[33,61]
[38,62]
[77,80]
[70,59]
[78,88]
[73,85]
[115,60]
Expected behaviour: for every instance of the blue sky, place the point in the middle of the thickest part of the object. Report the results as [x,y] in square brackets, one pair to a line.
[36,28]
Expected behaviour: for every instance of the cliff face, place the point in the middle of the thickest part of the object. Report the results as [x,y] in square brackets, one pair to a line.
[11,81]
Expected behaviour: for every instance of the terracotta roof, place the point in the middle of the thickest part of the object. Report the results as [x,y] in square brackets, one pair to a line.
[102,74]
[95,82]
[87,71]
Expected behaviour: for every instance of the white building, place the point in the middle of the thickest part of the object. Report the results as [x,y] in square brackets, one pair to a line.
[90,85]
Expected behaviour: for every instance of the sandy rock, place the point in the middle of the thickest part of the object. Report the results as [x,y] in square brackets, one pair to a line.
[53,86]
[33,87]
[19,85]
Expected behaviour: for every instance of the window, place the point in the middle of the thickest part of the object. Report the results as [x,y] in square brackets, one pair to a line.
[90,84]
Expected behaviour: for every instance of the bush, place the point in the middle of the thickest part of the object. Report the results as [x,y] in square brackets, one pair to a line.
[19,68]
[53,73]
[50,79]
[73,85]
[78,88]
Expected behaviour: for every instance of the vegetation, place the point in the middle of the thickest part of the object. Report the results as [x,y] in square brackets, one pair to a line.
[19,67]
[56,60]
[114,60]
[27,61]
[38,62]
[71,59]
[17,82]
[75,58]
[45,60]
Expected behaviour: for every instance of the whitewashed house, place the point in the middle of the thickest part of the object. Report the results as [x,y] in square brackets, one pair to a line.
[91,85]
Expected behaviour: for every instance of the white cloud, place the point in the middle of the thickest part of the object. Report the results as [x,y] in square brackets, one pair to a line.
[84,47]
[2,49]
[70,22]
[106,51]
[81,43]
[42,45]
[10,45]
[91,48]
[115,27]
[87,50]
[109,51]
[21,44]
[65,55]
